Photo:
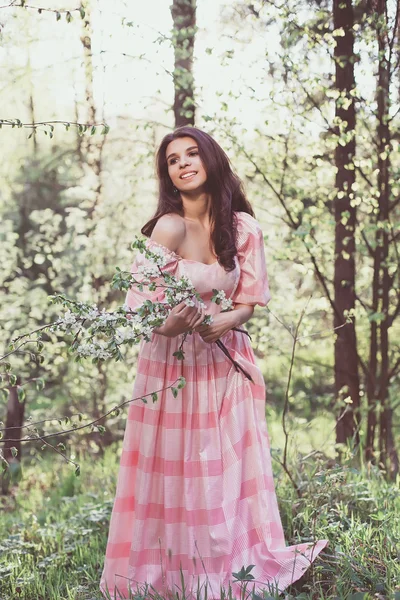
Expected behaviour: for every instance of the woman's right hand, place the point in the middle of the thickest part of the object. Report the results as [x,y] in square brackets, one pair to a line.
[182,319]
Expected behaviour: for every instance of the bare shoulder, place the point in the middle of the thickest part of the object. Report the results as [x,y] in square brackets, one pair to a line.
[169,231]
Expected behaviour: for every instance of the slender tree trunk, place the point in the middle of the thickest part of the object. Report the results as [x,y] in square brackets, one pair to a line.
[388,454]
[184,30]
[91,148]
[91,152]
[14,418]
[346,362]
[371,382]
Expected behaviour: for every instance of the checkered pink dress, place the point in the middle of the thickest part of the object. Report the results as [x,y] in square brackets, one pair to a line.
[195,489]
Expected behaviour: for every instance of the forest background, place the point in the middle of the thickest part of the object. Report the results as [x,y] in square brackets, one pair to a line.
[304,98]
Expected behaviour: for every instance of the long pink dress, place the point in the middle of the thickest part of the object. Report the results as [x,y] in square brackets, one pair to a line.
[195,491]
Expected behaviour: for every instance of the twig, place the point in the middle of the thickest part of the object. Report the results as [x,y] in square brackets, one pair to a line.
[64,431]
[233,361]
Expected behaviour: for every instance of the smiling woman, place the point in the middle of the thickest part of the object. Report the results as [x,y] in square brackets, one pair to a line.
[197,183]
[195,493]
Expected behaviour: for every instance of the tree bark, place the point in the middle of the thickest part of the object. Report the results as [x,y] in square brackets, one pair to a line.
[388,454]
[14,418]
[91,152]
[346,363]
[91,147]
[183,36]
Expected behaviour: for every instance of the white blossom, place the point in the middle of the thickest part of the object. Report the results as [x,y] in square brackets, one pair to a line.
[160,258]
[69,318]
[226,304]
[148,271]
[98,329]
[90,313]
[93,350]
[223,301]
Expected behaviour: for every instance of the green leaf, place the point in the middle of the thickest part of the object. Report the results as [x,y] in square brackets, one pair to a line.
[249,568]
[181,383]
[58,16]
[13,379]
[14,451]
[39,383]
[82,12]
[77,470]
[174,392]
[144,400]
[243,574]
[20,393]
[154,396]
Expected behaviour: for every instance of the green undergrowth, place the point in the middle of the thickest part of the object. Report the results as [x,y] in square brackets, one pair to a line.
[53,530]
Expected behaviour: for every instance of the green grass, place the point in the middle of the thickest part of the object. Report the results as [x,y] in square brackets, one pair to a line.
[53,527]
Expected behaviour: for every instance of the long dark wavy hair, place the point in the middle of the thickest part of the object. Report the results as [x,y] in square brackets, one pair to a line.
[222,183]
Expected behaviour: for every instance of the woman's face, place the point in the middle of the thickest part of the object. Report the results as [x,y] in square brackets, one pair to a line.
[185,168]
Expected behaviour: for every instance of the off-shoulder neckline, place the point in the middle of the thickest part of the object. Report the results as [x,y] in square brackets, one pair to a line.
[173,254]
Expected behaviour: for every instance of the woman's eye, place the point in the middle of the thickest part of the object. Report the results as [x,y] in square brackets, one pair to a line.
[173,160]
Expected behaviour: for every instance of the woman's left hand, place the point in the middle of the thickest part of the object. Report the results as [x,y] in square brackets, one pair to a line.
[222,323]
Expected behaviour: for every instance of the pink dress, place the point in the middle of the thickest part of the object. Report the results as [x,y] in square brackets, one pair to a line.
[195,491]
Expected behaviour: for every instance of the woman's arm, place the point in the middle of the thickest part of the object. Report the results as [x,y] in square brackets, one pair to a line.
[224,322]
[241,314]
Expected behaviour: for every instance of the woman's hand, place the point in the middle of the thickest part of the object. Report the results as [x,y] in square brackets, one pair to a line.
[222,323]
[182,319]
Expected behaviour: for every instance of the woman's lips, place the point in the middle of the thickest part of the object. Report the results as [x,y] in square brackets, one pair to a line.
[188,176]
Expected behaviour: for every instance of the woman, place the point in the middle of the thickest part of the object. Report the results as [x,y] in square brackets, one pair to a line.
[195,493]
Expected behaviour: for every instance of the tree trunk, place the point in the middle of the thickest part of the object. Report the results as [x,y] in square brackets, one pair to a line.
[183,35]
[346,362]
[91,152]
[91,148]
[388,454]
[14,418]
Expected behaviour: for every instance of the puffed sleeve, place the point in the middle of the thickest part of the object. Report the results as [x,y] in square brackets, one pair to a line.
[253,287]
[135,297]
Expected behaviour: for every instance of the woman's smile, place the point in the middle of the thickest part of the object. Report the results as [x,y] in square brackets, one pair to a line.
[188,175]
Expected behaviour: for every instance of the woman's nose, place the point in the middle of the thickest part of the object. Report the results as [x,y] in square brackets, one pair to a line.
[184,162]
